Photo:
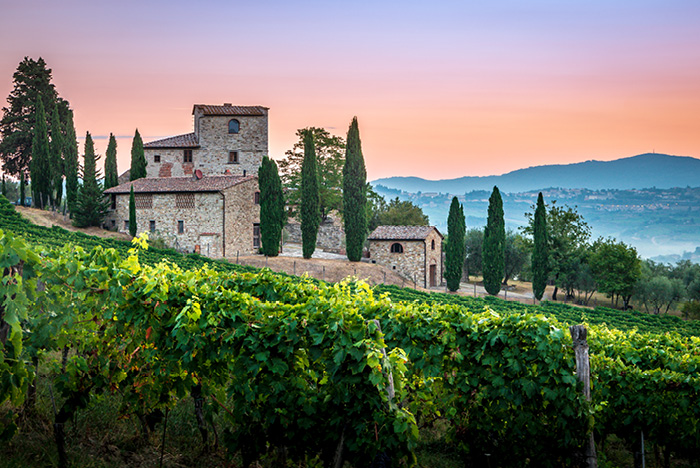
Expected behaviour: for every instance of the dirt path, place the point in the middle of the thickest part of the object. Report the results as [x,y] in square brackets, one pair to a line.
[49,218]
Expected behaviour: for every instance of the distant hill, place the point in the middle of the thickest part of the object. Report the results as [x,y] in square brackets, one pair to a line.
[637,172]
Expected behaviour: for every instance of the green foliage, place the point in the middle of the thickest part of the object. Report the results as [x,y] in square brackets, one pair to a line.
[616,268]
[272,215]
[330,154]
[111,171]
[138,158]
[493,255]
[4,187]
[72,166]
[567,245]
[57,148]
[91,206]
[132,212]
[515,255]
[40,164]
[474,244]
[540,253]
[376,205]
[310,214]
[354,194]
[291,362]
[401,213]
[455,250]
[32,81]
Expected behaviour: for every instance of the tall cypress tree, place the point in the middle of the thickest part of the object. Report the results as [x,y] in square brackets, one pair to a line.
[111,172]
[71,165]
[540,252]
[271,207]
[310,201]
[56,150]
[138,158]
[354,194]
[91,205]
[40,163]
[456,247]
[4,187]
[132,212]
[494,245]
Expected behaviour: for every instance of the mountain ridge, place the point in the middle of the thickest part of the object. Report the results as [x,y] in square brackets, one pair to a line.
[635,172]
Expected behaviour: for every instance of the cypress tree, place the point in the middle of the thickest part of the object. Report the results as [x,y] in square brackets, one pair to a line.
[271,207]
[540,253]
[22,195]
[310,200]
[456,247]
[4,187]
[494,245]
[111,172]
[91,205]
[39,166]
[354,194]
[138,158]
[32,82]
[132,212]
[71,164]
[57,147]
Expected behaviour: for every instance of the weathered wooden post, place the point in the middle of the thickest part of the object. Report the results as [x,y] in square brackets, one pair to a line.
[579,336]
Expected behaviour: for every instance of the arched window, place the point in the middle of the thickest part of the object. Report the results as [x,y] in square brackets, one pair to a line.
[432,244]
[396,248]
[234,126]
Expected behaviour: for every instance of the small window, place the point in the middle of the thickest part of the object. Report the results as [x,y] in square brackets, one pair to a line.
[152,226]
[114,201]
[180,227]
[233,157]
[126,225]
[256,198]
[234,126]
[256,235]
[187,156]
[396,248]
[156,158]
[114,223]
[432,244]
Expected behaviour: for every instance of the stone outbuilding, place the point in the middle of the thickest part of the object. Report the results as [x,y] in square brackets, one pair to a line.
[227,140]
[217,216]
[413,251]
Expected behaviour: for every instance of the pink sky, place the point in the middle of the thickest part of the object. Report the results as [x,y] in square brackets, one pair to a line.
[441,90]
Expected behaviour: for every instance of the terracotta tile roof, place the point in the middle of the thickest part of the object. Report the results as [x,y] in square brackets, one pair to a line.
[180,184]
[402,232]
[228,109]
[188,140]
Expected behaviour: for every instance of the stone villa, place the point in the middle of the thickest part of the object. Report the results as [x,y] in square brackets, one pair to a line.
[201,189]
[413,251]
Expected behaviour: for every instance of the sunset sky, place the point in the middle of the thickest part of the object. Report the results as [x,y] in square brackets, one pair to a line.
[441,89]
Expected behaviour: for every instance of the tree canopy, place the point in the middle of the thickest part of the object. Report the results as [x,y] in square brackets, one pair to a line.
[330,157]
[540,253]
[455,251]
[310,211]
[493,256]
[91,205]
[138,158]
[111,171]
[32,81]
[272,216]
[354,194]
[401,213]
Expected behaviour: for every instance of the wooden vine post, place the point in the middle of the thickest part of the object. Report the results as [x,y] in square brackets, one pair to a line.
[579,336]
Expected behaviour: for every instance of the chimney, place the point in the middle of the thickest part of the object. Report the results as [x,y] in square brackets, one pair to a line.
[228,104]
